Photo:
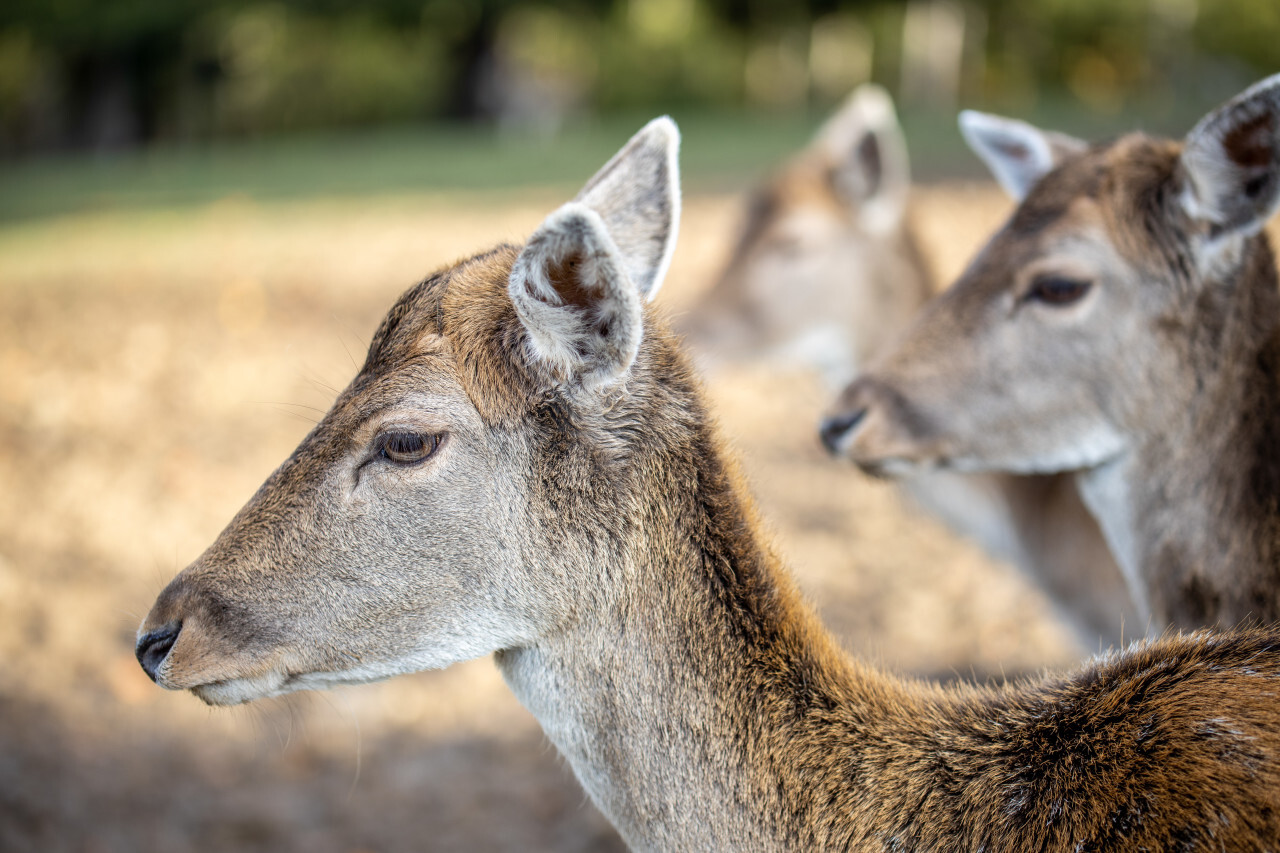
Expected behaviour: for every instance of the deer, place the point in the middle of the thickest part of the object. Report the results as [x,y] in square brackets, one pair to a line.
[831,230]
[524,467]
[1123,325]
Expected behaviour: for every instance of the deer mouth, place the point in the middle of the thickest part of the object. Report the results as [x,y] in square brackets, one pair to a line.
[864,437]
[237,691]
[895,467]
[184,654]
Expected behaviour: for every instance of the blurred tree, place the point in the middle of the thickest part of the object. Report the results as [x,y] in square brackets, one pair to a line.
[282,69]
[1248,30]
[117,60]
[102,74]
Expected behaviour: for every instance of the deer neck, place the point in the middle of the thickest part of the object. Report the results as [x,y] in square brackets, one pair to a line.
[1190,512]
[685,706]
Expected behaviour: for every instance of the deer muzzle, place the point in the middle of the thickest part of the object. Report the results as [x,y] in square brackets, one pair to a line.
[196,638]
[875,427]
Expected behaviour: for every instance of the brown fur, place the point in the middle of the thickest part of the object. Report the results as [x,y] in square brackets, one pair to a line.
[595,537]
[1173,746]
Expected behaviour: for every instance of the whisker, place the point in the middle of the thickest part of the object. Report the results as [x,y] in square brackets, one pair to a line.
[284,409]
[291,405]
[343,326]
[346,348]
[322,385]
[355,722]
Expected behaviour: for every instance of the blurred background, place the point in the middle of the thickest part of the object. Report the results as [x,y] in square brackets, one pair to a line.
[205,209]
[156,101]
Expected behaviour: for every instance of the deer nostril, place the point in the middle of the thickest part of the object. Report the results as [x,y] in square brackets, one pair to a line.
[835,428]
[153,647]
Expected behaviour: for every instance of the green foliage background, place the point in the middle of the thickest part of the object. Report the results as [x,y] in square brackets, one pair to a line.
[196,70]
[182,99]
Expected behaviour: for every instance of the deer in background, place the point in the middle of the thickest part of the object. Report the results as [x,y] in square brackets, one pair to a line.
[826,273]
[524,467]
[1124,324]
[826,269]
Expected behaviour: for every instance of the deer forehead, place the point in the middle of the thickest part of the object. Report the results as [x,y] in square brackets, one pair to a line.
[1116,198]
[459,322]
[807,185]
[802,185]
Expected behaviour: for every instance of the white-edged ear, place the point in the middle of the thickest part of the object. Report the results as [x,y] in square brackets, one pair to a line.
[576,300]
[1018,154]
[579,284]
[871,171]
[1231,159]
[637,195]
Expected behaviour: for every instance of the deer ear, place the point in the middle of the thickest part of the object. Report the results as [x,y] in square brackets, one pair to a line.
[579,284]
[1232,161]
[1018,154]
[637,195]
[871,172]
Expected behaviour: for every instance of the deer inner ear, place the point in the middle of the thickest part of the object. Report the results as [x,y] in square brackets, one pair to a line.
[566,276]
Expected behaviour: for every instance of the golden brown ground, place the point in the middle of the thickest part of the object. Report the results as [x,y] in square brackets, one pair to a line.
[155,367]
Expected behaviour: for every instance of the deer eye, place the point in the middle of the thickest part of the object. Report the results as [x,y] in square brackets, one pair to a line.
[1058,289]
[407,448]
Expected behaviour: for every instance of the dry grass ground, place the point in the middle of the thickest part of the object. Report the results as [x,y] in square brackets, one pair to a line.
[154,367]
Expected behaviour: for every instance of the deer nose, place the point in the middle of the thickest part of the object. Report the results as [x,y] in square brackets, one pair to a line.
[153,647]
[837,427]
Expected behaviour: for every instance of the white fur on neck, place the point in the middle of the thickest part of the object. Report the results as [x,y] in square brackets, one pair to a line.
[1106,492]
[614,709]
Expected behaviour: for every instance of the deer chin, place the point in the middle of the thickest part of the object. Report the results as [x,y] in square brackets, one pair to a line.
[278,680]
[896,467]
[237,691]
[1093,448]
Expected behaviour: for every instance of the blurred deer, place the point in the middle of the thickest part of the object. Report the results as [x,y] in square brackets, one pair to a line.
[826,270]
[1125,324]
[524,466]
[825,274]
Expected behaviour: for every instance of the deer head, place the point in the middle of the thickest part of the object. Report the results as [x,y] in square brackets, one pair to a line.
[824,264]
[427,518]
[1092,320]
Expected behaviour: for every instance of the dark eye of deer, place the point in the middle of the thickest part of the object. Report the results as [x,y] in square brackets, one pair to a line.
[407,448]
[1058,290]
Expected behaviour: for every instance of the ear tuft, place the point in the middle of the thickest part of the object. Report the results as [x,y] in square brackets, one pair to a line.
[1232,161]
[637,195]
[1018,154]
